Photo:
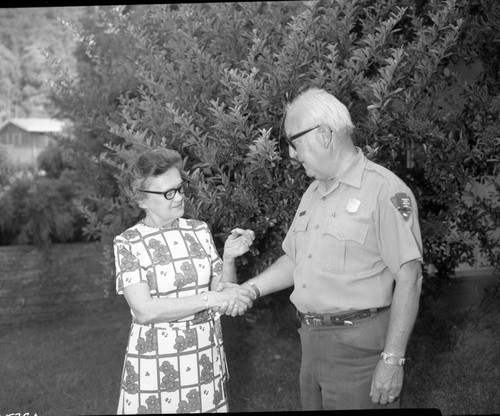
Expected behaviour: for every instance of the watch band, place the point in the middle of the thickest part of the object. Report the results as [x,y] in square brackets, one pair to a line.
[255,288]
[205,299]
[392,359]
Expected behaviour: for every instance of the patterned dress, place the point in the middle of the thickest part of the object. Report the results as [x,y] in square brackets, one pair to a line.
[180,366]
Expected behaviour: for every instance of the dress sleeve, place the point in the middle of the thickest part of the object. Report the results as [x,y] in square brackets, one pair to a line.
[128,269]
[216,261]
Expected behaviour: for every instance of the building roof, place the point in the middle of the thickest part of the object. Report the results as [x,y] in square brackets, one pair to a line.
[36,125]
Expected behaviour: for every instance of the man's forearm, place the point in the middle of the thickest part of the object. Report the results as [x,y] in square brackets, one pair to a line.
[276,277]
[404,308]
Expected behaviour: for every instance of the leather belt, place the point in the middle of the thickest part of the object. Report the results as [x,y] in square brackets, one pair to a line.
[337,319]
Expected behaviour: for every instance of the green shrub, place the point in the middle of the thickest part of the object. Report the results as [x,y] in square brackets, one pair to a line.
[212,80]
[39,211]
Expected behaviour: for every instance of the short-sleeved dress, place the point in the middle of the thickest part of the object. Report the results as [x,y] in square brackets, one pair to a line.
[172,367]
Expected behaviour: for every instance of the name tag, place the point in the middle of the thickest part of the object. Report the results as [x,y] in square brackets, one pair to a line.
[352,205]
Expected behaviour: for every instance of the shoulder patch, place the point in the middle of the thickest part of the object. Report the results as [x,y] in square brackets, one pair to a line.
[402,202]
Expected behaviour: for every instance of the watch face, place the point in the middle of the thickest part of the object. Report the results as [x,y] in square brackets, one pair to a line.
[392,359]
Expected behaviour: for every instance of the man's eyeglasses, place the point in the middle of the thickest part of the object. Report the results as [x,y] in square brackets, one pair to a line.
[170,194]
[296,136]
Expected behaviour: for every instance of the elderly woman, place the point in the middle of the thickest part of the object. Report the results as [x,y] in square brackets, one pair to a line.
[177,286]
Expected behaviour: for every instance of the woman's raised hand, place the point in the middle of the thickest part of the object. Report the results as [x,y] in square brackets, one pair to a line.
[238,243]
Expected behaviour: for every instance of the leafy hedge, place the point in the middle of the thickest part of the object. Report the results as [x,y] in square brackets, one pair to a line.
[212,80]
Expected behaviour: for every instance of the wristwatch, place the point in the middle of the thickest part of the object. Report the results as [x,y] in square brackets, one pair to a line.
[389,358]
[205,299]
[255,288]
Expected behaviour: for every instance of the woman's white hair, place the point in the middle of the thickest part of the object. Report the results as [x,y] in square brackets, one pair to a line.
[320,107]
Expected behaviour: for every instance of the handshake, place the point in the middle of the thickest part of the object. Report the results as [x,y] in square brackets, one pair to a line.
[231,298]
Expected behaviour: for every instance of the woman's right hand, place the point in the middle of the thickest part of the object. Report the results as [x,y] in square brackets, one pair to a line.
[230,299]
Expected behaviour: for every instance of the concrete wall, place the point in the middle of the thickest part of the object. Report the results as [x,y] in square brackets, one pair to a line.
[37,285]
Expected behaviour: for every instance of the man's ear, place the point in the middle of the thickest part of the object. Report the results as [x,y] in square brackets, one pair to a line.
[326,136]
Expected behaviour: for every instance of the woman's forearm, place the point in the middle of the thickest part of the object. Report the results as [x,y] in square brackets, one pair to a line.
[228,274]
[229,271]
[148,310]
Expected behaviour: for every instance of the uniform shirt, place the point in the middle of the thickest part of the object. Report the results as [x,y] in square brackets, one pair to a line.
[348,242]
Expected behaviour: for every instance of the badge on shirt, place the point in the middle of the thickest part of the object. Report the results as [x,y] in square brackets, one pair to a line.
[352,205]
[402,202]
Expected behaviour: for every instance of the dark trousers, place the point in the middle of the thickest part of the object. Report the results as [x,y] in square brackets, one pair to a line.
[338,364]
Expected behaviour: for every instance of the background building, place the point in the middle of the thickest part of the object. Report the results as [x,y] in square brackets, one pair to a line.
[24,138]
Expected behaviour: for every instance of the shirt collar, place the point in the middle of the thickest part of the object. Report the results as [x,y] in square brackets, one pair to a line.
[353,175]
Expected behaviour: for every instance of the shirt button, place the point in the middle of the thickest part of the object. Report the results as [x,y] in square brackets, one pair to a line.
[304,285]
[324,198]
[341,235]
[309,256]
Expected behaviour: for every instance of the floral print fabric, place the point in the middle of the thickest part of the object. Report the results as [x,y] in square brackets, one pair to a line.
[176,367]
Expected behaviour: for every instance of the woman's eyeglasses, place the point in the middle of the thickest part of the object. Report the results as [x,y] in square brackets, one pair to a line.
[170,194]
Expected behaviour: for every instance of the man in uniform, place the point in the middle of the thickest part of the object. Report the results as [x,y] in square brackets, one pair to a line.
[353,254]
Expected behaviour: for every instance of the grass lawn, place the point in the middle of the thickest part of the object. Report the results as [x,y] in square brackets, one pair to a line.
[72,365]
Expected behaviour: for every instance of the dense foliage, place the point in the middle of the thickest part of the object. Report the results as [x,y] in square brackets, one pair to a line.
[37,204]
[212,80]
[36,209]
[24,33]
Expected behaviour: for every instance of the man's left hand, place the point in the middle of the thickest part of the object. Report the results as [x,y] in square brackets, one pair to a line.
[387,383]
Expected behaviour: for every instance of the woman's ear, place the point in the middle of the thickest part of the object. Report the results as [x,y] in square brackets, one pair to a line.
[142,204]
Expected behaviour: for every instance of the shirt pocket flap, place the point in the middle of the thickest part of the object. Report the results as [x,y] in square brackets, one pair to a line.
[301,223]
[347,230]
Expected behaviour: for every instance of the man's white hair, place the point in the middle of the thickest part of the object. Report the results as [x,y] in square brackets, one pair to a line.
[320,107]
